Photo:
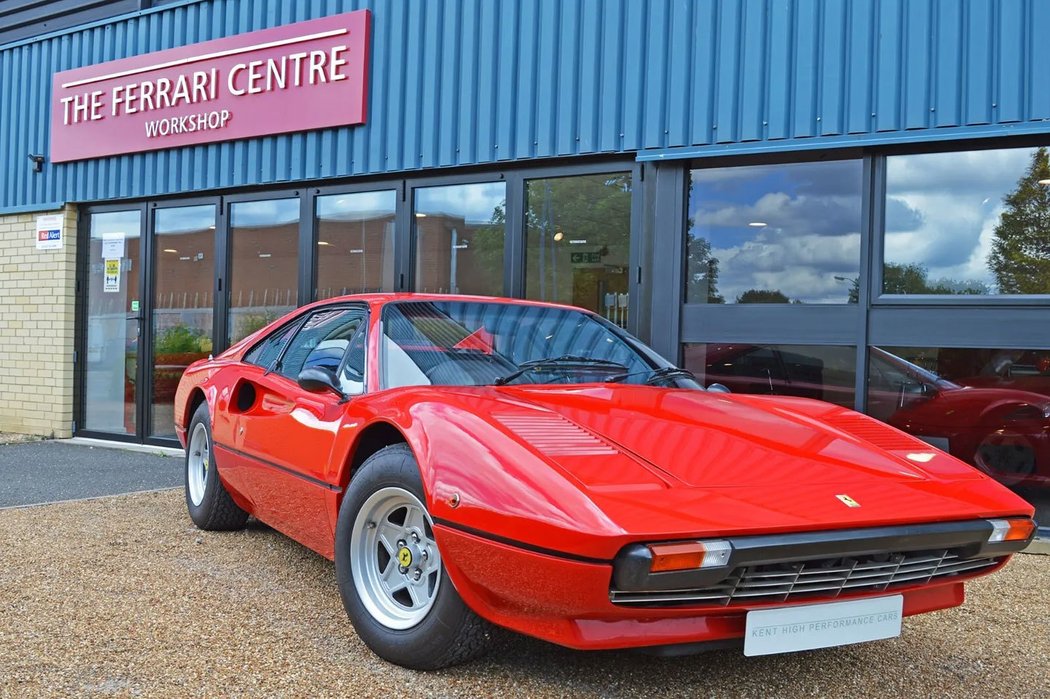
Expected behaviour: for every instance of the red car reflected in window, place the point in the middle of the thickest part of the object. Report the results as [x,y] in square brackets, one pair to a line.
[997,422]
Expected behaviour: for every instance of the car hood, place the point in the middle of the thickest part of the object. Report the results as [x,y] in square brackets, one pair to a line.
[636,463]
[687,461]
[712,440]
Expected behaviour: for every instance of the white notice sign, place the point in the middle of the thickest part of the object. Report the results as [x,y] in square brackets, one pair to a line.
[49,231]
[112,246]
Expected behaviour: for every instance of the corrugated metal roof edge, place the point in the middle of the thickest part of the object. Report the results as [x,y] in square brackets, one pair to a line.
[97,23]
[954,133]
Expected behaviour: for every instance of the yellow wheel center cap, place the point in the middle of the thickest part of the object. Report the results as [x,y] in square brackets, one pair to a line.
[404,557]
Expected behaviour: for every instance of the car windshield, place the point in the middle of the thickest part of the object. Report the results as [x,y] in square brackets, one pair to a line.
[896,370]
[473,343]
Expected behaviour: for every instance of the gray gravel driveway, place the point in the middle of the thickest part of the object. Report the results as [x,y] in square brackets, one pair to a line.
[49,471]
[125,597]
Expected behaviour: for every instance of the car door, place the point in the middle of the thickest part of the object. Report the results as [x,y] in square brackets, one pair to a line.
[289,433]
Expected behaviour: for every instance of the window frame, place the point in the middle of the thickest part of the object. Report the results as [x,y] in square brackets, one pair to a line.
[303,319]
[635,247]
[878,258]
[409,262]
[863,160]
[224,263]
[310,236]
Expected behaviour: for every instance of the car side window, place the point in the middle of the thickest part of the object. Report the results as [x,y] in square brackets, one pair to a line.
[321,342]
[266,352]
[352,377]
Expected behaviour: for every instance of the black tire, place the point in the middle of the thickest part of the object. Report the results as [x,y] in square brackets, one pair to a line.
[1008,457]
[216,511]
[450,633]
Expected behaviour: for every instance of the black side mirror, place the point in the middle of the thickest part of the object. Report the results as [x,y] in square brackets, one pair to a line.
[317,379]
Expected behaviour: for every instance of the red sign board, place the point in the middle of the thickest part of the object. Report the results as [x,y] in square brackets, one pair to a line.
[308,75]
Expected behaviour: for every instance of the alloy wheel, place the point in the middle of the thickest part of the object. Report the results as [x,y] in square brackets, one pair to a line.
[395,560]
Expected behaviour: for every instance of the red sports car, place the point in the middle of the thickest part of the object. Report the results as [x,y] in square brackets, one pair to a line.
[476,463]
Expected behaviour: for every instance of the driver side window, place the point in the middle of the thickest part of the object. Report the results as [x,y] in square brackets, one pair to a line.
[322,342]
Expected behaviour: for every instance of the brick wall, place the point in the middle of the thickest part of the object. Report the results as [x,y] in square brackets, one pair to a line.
[37,291]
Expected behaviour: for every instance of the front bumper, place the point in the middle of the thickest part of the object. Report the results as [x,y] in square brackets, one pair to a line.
[872,559]
[571,601]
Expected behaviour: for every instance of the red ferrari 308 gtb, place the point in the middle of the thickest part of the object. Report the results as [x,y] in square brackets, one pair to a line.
[471,462]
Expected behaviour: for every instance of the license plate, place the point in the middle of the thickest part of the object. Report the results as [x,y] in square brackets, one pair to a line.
[788,629]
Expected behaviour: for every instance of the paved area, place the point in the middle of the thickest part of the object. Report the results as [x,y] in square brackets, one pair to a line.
[123,597]
[48,471]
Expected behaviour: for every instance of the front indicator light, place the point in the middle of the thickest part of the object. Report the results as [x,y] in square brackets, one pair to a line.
[689,555]
[1016,529]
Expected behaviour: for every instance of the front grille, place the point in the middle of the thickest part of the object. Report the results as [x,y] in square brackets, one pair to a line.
[824,578]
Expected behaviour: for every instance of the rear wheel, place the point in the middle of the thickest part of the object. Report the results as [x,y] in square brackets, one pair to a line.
[391,578]
[1007,457]
[207,500]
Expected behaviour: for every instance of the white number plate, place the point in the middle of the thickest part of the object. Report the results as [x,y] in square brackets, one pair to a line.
[788,629]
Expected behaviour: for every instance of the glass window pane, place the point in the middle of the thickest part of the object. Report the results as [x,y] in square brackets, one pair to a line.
[975,222]
[112,326]
[988,407]
[578,234]
[264,263]
[266,352]
[321,342]
[355,243]
[182,302]
[786,233]
[459,238]
[823,372]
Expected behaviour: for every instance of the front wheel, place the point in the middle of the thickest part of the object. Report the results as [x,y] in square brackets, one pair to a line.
[391,578]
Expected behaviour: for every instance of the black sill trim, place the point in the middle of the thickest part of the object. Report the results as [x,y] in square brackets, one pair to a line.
[520,544]
[284,469]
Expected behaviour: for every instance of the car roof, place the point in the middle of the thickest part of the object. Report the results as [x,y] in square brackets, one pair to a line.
[381,299]
[376,301]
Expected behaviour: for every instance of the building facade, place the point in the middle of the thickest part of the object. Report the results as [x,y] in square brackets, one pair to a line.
[844,200]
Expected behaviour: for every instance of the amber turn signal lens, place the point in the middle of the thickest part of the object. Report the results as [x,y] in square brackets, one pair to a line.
[1020,529]
[1014,529]
[676,556]
[689,555]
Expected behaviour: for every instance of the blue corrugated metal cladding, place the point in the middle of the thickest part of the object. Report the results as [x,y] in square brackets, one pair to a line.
[456,82]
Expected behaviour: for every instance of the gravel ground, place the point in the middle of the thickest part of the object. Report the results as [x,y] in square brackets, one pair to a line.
[124,597]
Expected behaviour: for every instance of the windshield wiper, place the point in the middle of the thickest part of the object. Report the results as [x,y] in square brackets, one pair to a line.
[654,374]
[569,359]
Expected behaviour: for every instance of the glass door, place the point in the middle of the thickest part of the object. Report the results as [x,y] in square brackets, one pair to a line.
[183,303]
[263,264]
[114,323]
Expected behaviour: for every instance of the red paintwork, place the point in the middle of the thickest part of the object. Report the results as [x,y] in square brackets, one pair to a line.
[685,464]
[568,602]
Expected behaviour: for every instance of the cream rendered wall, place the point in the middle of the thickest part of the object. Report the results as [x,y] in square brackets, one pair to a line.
[37,295]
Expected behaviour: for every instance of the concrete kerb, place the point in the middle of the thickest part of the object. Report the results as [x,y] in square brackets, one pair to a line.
[126,446]
[1039,547]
